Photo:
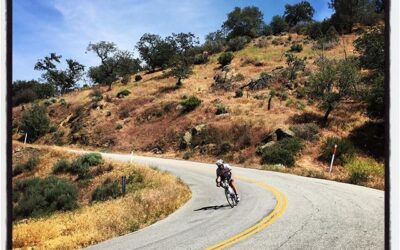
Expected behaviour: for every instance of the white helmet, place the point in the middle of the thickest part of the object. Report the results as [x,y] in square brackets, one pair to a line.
[219,162]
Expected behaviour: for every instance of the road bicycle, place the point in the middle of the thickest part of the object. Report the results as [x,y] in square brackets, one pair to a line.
[229,194]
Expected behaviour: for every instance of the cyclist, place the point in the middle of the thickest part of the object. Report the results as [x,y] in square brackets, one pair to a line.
[224,172]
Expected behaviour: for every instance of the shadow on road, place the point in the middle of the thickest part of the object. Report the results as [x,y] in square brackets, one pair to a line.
[212,207]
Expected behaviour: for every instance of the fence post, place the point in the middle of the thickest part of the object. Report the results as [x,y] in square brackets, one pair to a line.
[131,160]
[26,137]
[333,158]
[123,182]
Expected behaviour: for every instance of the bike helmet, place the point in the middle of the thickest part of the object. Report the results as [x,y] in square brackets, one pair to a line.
[219,162]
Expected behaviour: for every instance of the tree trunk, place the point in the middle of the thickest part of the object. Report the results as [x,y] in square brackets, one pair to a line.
[325,119]
[109,87]
[269,102]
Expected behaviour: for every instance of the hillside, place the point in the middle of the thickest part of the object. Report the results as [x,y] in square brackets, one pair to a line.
[55,209]
[150,119]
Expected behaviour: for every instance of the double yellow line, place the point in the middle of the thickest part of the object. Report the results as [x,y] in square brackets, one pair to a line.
[269,219]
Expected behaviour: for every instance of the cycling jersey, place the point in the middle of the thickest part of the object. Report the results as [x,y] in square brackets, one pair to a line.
[225,172]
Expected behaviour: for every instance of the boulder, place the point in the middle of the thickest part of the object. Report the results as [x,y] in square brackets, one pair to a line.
[284,133]
[260,83]
[186,140]
[223,79]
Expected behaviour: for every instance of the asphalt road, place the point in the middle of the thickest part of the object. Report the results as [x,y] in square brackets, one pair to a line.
[277,211]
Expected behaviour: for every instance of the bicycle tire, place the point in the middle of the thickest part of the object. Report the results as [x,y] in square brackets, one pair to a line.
[231,202]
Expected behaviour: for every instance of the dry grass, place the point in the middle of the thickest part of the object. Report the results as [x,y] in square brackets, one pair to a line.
[92,223]
[154,90]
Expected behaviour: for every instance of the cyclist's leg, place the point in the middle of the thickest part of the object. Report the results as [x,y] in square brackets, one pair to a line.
[232,184]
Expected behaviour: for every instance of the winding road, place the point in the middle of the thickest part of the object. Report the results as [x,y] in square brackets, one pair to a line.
[277,211]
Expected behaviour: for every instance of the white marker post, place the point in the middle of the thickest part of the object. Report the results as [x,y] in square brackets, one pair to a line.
[333,158]
[131,161]
[26,137]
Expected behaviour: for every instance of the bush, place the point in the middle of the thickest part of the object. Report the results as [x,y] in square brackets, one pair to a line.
[344,152]
[301,92]
[96,94]
[119,126]
[35,122]
[109,189]
[225,58]
[283,152]
[123,93]
[237,43]
[126,79]
[61,166]
[138,78]
[306,131]
[296,48]
[221,109]
[200,59]
[35,197]
[277,155]
[24,96]
[238,93]
[187,155]
[223,148]
[63,102]
[26,167]
[361,170]
[80,166]
[190,103]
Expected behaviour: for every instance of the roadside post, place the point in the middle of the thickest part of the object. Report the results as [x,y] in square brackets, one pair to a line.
[131,160]
[26,137]
[333,158]
[123,182]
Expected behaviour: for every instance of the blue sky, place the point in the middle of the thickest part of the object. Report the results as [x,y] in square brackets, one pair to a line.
[67,26]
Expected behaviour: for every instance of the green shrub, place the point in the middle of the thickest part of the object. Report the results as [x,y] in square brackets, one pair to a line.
[119,126]
[242,159]
[109,189]
[225,58]
[123,93]
[223,148]
[277,155]
[283,152]
[301,92]
[238,93]
[26,167]
[126,79]
[306,131]
[200,59]
[80,166]
[296,47]
[96,94]
[221,109]
[35,122]
[63,102]
[190,103]
[361,170]
[237,43]
[62,166]
[138,78]
[344,152]
[35,197]
[239,77]
[301,105]
[187,155]
[92,159]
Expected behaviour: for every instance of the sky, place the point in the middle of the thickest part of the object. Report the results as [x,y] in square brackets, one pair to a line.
[66,27]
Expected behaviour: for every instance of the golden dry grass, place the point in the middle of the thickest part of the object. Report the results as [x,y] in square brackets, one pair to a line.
[92,223]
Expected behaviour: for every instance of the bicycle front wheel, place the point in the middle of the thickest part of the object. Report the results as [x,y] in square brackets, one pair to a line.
[231,199]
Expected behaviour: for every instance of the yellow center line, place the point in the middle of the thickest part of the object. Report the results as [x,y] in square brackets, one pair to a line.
[280,207]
